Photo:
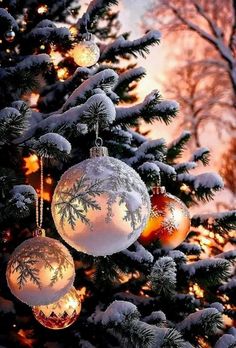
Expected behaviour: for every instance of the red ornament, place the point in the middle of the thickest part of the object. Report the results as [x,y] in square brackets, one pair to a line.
[169,222]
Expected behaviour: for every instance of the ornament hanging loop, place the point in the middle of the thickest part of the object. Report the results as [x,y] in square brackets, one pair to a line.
[98,150]
[158,189]
[39,231]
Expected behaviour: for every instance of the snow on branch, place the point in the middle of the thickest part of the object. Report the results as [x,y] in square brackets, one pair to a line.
[97,108]
[150,109]
[228,255]
[128,77]
[203,185]
[218,222]
[59,90]
[47,32]
[21,201]
[208,271]
[7,21]
[163,276]
[104,80]
[140,254]
[52,145]
[190,248]
[202,154]
[97,7]
[205,322]
[184,167]
[12,124]
[226,341]
[122,47]
[116,313]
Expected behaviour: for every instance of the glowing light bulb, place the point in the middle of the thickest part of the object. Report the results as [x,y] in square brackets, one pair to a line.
[42,9]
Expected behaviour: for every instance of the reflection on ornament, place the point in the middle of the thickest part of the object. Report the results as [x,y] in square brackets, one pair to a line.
[169,222]
[100,206]
[42,9]
[40,271]
[86,53]
[60,314]
[9,35]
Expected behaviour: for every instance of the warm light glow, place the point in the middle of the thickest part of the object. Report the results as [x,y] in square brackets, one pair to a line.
[185,188]
[42,9]
[42,47]
[31,164]
[82,293]
[48,180]
[62,73]
[196,291]
[73,30]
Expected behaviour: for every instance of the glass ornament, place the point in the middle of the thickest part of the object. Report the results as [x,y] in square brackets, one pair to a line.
[100,206]
[86,53]
[40,271]
[60,314]
[9,35]
[169,221]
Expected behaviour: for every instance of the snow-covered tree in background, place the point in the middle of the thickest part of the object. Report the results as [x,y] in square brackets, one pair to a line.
[140,297]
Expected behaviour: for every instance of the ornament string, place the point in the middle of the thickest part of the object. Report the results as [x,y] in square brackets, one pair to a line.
[39,201]
[98,140]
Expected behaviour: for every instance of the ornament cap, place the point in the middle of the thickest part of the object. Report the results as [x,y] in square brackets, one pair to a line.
[39,232]
[159,190]
[98,151]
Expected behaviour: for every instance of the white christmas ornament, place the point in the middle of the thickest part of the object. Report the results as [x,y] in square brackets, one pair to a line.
[86,53]
[100,206]
[40,271]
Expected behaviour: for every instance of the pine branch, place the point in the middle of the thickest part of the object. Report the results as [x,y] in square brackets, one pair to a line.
[176,148]
[163,276]
[208,272]
[122,47]
[219,223]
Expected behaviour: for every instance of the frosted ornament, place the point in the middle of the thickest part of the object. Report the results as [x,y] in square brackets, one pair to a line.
[169,221]
[40,271]
[86,53]
[60,314]
[100,206]
[9,35]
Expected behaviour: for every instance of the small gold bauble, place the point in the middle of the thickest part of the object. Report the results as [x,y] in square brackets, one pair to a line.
[60,314]
[86,53]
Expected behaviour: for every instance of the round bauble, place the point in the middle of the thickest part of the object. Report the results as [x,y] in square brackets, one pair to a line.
[60,314]
[100,206]
[40,271]
[86,53]
[9,35]
[169,222]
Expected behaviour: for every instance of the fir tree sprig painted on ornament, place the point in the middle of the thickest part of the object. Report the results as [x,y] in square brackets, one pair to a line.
[26,263]
[74,202]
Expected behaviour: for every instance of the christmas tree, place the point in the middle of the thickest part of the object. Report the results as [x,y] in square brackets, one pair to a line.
[67,100]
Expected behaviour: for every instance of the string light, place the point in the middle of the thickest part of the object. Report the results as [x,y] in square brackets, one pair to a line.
[62,73]
[196,291]
[42,9]
[42,47]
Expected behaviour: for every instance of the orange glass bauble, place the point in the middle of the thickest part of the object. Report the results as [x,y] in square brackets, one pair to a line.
[60,314]
[169,222]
